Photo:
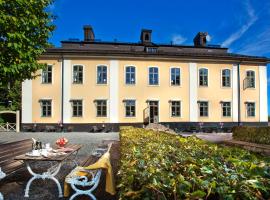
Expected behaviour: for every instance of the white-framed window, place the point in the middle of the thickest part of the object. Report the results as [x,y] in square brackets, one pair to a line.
[175,76]
[47,74]
[250,79]
[226,109]
[151,49]
[101,106]
[77,107]
[102,74]
[46,107]
[153,76]
[77,74]
[203,108]
[226,78]
[203,77]
[251,109]
[130,75]
[130,108]
[176,108]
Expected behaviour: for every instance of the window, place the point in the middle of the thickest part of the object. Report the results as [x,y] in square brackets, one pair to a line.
[130,75]
[78,74]
[175,108]
[226,78]
[102,74]
[250,79]
[226,109]
[47,74]
[46,108]
[77,108]
[101,108]
[151,49]
[153,76]
[250,109]
[130,108]
[203,108]
[203,77]
[175,76]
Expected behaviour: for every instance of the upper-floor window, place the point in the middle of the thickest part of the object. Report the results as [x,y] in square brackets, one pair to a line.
[226,78]
[175,108]
[130,106]
[250,79]
[151,49]
[203,77]
[46,108]
[78,74]
[175,76]
[47,74]
[77,108]
[226,109]
[153,76]
[203,108]
[250,109]
[102,74]
[101,108]
[130,75]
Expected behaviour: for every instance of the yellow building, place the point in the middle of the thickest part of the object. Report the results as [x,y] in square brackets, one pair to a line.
[106,84]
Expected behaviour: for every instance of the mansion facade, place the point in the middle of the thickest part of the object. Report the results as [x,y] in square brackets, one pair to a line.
[93,83]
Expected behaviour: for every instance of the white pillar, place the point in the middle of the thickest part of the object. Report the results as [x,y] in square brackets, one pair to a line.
[27,101]
[114,93]
[66,93]
[235,94]
[193,92]
[17,121]
[263,94]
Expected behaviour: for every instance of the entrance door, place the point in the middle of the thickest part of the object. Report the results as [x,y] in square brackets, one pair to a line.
[153,112]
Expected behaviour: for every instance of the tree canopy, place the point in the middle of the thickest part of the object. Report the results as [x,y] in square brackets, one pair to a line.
[25,27]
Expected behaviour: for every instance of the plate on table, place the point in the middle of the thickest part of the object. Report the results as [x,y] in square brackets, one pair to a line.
[32,155]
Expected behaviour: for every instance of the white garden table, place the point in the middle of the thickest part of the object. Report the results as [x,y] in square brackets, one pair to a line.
[53,169]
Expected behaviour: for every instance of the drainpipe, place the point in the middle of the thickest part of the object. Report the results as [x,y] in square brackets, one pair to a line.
[62,95]
[238,94]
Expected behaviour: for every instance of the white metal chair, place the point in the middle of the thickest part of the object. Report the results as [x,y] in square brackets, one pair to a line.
[2,175]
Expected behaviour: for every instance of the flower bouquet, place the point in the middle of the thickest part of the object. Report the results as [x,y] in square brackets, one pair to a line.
[61,142]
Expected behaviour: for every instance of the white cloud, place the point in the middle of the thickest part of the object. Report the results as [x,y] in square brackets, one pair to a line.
[252,18]
[178,39]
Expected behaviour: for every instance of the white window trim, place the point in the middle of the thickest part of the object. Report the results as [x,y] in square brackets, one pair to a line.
[46,99]
[108,73]
[250,101]
[148,80]
[254,77]
[170,107]
[170,74]
[107,108]
[130,99]
[72,69]
[204,117]
[208,79]
[71,107]
[125,67]
[52,76]
[224,87]
[221,105]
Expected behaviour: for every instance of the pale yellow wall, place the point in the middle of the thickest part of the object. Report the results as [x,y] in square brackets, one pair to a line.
[47,91]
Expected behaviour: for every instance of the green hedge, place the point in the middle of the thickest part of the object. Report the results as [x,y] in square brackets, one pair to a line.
[157,165]
[260,135]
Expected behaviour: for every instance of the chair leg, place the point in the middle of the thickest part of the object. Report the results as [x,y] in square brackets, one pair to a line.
[88,194]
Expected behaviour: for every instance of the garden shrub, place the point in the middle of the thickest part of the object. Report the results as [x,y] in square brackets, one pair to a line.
[260,135]
[158,165]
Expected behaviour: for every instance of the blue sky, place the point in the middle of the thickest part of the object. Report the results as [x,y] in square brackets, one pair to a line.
[241,25]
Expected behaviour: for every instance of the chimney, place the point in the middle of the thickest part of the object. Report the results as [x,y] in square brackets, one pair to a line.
[146,36]
[200,39]
[88,33]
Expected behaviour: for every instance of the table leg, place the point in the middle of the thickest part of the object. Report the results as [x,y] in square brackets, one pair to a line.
[50,174]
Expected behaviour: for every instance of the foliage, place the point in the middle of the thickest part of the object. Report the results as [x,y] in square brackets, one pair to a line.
[12,94]
[25,26]
[260,135]
[172,167]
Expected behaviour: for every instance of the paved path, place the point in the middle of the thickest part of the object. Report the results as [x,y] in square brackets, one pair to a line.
[89,140]
[212,137]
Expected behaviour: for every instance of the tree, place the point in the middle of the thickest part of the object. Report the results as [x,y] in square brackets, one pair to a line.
[25,26]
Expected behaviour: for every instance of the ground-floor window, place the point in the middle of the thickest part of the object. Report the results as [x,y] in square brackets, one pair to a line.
[203,108]
[101,108]
[226,109]
[175,108]
[130,106]
[77,108]
[250,109]
[46,108]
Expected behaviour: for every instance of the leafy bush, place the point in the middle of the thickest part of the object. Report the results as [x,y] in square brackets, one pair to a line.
[260,135]
[157,165]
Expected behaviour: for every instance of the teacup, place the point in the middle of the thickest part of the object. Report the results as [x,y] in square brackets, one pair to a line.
[47,146]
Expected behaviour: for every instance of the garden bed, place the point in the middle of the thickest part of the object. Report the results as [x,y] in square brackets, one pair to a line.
[158,165]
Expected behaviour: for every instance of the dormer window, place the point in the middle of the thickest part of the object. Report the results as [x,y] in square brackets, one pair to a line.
[151,49]
[146,37]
